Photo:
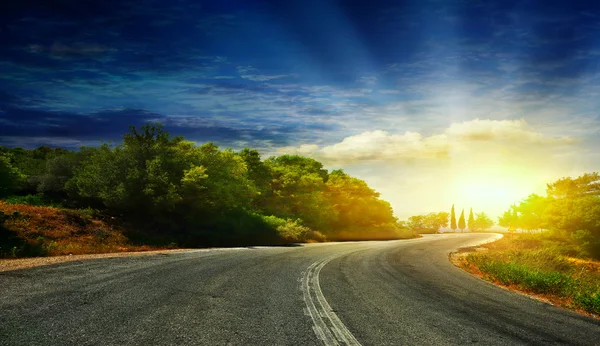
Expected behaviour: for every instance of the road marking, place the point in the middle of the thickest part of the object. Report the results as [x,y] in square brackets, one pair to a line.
[326,324]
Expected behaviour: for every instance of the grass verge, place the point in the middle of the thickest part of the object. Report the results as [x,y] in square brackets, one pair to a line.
[29,231]
[550,266]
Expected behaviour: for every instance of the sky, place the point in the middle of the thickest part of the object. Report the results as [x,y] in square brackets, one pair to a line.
[433,103]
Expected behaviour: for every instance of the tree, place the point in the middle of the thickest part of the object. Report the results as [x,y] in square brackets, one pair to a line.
[298,191]
[509,218]
[571,205]
[437,220]
[453,220]
[59,170]
[417,223]
[585,185]
[481,222]
[430,223]
[259,174]
[531,212]
[471,220]
[461,221]
[10,177]
[204,195]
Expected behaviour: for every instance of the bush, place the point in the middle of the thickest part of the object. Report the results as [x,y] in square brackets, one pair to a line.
[35,200]
[10,177]
[588,243]
[314,236]
[292,231]
[588,302]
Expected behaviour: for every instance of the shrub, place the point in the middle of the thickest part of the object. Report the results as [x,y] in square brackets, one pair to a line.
[292,231]
[588,302]
[34,200]
[314,236]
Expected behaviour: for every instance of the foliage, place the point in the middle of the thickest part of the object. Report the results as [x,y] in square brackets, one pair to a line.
[430,223]
[453,219]
[289,231]
[480,222]
[471,221]
[550,263]
[570,204]
[38,231]
[10,177]
[177,191]
[461,221]
[37,200]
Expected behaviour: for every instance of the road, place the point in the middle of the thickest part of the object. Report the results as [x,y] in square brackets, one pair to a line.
[371,293]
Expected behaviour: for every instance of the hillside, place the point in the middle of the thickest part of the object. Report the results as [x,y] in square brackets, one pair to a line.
[45,231]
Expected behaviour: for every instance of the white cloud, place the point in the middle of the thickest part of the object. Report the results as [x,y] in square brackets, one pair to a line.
[458,137]
[517,131]
[368,80]
[264,78]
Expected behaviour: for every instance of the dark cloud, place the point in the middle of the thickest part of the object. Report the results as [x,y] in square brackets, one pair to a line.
[110,125]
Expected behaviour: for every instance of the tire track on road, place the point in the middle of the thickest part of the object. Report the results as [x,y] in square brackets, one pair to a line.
[326,324]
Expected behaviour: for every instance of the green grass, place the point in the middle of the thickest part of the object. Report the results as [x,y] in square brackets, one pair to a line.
[34,200]
[553,265]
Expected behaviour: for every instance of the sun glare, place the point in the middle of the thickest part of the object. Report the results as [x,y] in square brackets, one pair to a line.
[492,191]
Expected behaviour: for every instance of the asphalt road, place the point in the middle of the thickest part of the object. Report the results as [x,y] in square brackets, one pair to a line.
[370,293]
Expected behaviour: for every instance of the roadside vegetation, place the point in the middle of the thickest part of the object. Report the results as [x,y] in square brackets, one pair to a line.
[557,253]
[29,230]
[159,190]
[433,222]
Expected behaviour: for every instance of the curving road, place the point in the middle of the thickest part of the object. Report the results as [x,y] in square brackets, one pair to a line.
[370,293]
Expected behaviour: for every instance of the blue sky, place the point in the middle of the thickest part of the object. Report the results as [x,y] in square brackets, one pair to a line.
[400,93]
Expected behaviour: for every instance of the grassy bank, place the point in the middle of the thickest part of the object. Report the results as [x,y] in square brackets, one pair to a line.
[557,267]
[27,231]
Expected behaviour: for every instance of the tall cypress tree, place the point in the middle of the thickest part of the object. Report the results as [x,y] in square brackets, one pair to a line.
[461,221]
[453,220]
[471,221]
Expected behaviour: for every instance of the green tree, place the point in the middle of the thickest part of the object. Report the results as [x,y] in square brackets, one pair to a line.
[571,204]
[203,195]
[508,218]
[298,191]
[429,223]
[58,171]
[471,220]
[481,222]
[453,219]
[140,176]
[531,212]
[259,174]
[461,221]
[585,185]
[10,177]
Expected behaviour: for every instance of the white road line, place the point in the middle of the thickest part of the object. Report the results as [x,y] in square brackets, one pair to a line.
[327,325]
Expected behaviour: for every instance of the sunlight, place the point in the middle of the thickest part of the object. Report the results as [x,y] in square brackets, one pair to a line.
[492,189]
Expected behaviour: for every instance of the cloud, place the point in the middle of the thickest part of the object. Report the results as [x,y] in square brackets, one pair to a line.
[251,73]
[32,127]
[78,49]
[458,137]
[264,78]
[368,80]
[515,131]
[389,91]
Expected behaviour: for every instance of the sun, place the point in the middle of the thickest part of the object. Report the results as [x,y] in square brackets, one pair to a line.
[492,191]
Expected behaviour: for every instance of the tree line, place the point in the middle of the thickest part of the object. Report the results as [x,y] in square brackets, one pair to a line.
[571,205]
[201,195]
[432,222]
